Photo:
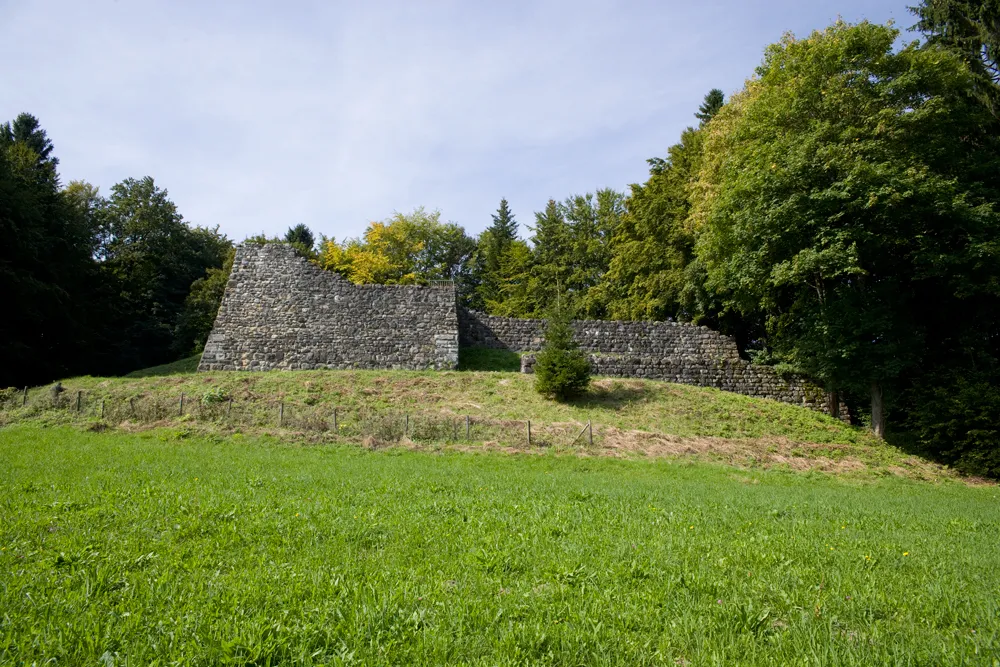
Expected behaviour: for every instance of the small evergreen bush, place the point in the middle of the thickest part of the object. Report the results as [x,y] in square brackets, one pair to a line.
[562,370]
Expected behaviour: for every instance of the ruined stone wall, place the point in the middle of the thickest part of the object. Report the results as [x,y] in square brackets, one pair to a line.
[600,336]
[281,312]
[670,351]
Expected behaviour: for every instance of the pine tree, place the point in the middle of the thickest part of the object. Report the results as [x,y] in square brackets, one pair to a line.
[301,237]
[495,244]
[562,370]
[713,102]
[972,29]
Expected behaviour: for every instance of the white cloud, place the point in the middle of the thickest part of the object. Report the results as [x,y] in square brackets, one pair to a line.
[257,116]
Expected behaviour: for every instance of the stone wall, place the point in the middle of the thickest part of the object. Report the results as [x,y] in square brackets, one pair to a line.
[281,312]
[670,351]
[600,336]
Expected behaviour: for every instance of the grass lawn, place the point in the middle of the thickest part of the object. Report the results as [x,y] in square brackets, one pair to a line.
[161,548]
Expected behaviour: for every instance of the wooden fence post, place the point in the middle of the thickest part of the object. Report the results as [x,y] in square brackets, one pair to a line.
[529,433]
[466,427]
[229,409]
[180,410]
[335,420]
[24,398]
[590,433]
[79,401]
[102,408]
[281,413]
[406,426]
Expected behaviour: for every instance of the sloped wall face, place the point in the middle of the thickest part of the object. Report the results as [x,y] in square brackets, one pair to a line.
[670,351]
[281,312]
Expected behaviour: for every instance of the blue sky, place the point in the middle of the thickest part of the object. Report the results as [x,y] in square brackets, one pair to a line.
[259,115]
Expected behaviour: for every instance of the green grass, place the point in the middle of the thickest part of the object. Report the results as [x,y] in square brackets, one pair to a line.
[182,366]
[630,418]
[485,359]
[161,548]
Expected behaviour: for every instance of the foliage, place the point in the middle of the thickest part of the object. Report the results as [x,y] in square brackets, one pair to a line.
[261,553]
[403,250]
[302,239]
[562,370]
[494,246]
[837,198]
[201,306]
[954,418]
[150,257]
[972,28]
[648,275]
[711,106]
[47,276]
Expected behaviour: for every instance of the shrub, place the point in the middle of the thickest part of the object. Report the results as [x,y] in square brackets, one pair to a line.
[956,418]
[562,370]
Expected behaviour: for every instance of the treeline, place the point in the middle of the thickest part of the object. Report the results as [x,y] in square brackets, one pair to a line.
[91,284]
[840,216]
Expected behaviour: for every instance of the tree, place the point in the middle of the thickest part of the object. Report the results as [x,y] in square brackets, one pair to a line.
[201,306]
[653,273]
[841,195]
[972,28]
[552,256]
[46,269]
[150,258]
[562,370]
[405,249]
[713,102]
[302,238]
[27,131]
[494,244]
[593,222]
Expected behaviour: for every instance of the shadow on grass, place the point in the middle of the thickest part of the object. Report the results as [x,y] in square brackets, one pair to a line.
[180,367]
[488,359]
[613,396]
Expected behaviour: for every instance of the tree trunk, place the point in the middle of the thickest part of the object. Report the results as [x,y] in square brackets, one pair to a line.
[878,414]
[833,403]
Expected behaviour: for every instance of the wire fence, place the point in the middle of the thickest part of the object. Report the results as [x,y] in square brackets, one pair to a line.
[365,423]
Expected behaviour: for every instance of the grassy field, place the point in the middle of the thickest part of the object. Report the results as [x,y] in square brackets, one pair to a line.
[427,409]
[162,547]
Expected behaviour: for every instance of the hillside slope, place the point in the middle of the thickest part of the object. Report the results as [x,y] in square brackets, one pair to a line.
[464,409]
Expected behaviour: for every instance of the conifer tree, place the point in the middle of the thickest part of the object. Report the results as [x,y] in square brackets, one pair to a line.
[494,246]
[713,102]
[562,370]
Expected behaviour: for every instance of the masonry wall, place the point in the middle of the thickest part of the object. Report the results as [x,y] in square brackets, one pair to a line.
[281,312]
[670,351]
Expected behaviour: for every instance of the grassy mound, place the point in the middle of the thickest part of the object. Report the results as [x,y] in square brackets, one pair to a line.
[462,410]
[163,547]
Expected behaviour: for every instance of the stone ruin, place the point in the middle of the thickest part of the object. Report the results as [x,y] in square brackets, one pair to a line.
[281,312]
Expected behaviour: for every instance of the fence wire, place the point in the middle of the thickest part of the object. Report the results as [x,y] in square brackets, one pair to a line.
[374,425]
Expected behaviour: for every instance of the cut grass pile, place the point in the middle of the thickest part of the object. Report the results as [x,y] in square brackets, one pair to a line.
[155,548]
[428,409]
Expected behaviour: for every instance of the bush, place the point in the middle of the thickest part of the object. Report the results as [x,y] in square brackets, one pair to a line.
[561,370]
[956,418]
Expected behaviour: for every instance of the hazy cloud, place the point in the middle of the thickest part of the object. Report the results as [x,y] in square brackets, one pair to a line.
[259,115]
